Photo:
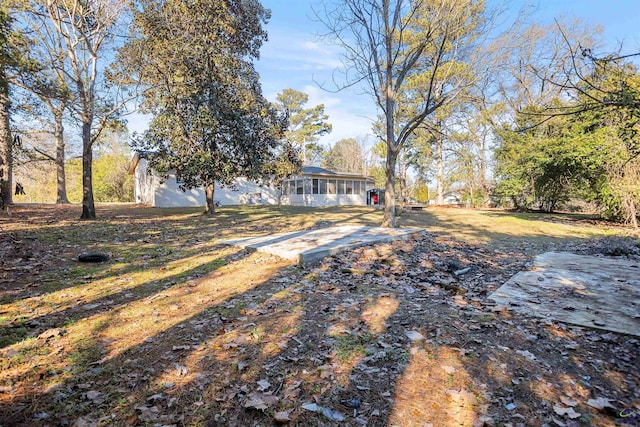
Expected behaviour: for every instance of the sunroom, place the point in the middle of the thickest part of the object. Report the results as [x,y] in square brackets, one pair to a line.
[322,187]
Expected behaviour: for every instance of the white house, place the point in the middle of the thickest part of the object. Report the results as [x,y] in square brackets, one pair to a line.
[315,187]
[321,187]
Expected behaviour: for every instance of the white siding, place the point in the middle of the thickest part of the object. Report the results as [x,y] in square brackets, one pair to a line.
[150,189]
[144,184]
[245,192]
[327,199]
[169,195]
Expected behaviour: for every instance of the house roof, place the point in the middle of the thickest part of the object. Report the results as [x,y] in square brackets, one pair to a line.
[136,159]
[318,171]
[134,164]
[314,170]
[306,170]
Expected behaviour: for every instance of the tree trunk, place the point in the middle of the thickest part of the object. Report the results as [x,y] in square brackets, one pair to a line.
[403,180]
[440,171]
[209,191]
[58,133]
[6,144]
[631,210]
[484,187]
[389,218]
[88,206]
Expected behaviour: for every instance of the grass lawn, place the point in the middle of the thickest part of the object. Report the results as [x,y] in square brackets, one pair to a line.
[177,329]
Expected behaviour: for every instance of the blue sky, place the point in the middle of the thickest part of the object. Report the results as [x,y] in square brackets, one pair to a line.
[295,58]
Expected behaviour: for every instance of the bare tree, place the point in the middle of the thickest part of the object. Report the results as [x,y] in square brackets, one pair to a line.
[86,31]
[416,50]
[535,64]
[48,84]
[345,156]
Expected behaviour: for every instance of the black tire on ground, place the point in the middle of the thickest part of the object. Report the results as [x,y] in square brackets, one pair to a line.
[93,257]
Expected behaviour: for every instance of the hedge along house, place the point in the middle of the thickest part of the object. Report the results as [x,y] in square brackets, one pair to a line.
[346,189]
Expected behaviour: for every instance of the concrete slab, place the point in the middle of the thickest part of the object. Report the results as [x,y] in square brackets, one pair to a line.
[309,246]
[594,292]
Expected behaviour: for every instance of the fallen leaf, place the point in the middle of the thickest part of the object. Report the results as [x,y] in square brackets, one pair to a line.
[568,401]
[526,354]
[600,403]
[414,335]
[448,369]
[52,333]
[181,347]
[155,397]
[484,421]
[326,371]
[263,385]
[327,412]
[148,413]
[461,396]
[181,370]
[282,417]
[293,391]
[260,401]
[569,412]
[93,395]
[82,422]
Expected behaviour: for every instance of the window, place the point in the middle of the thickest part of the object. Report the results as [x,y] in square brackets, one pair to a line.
[315,186]
[299,186]
[292,187]
[349,185]
[322,186]
[341,186]
[356,187]
[331,186]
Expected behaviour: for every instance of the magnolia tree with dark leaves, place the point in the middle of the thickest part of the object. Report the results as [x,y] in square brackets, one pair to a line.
[211,123]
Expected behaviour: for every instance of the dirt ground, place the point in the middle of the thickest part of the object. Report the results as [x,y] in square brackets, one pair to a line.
[177,329]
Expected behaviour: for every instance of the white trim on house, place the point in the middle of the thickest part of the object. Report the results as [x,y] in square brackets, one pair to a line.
[326,188]
[151,189]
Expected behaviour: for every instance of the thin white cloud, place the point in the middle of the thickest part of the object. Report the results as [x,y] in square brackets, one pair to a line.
[297,52]
[319,96]
[316,47]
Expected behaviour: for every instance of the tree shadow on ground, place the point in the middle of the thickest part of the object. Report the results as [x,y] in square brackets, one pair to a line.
[125,291]
[211,350]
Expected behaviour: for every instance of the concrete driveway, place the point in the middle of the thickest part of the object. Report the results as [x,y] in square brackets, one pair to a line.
[309,246]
